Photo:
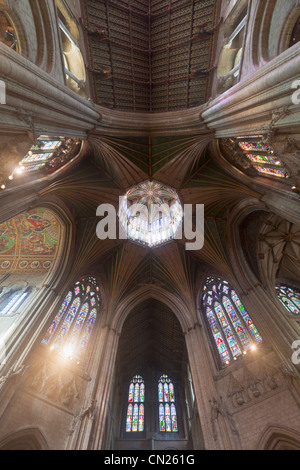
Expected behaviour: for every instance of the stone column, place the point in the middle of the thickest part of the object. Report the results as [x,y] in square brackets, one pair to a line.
[273,326]
[217,430]
[89,425]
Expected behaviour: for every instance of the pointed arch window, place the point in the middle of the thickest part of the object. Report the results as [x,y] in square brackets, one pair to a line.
[233,330]
[13,302]
[135,419]
[167,407]
[289,297]
[71,328]
[262,157]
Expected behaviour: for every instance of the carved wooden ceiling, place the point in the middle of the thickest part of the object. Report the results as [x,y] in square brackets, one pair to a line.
[150,55]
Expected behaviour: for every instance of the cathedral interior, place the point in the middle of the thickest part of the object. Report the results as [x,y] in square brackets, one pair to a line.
[161,120]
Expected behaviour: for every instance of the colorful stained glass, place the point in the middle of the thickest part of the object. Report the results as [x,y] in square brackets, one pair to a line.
[217,335]
[142,393]
[67,323]
[57,319]
[13,302]
[162,424]
[40,154]
[80,319]
[242,335]
[135,420]
[136,393]
[168,418]
[230,324]
[129,418]
[76,322]
[160,392]
[166,392]
[131,392]
[254,146]
[87,332]
[167,411]
[296,302]
[141,418]
[171,392]
[262,158]
[174,418]
[290,298]
[269,171]
[36,157]
[289,305]
[250,325]
[231,340]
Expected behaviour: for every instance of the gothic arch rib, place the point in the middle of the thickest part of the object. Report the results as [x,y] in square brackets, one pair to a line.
[25,439]
[277,437]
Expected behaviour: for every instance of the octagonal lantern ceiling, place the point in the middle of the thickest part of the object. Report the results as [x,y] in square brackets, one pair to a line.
[151,213]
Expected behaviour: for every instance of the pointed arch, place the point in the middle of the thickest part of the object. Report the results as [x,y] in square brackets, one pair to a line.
[289,297]
[277,437]
[135,417]
[25,439]
[230,325]
[71,328]
[166,405]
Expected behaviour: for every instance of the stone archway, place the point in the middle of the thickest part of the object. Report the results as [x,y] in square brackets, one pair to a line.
[27,439]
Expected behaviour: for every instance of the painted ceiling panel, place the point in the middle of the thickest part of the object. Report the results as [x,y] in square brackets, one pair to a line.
[146,54]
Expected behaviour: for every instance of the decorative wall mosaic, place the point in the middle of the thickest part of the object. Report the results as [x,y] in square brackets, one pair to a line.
[29,241]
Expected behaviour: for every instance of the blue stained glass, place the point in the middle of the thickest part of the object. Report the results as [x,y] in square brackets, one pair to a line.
[231,326]
[167,409]
[129,418]
[67,323]
[135,418]
[87,333]
[57,319]
[251,327]
[225,356]
[76,322]
[243,337]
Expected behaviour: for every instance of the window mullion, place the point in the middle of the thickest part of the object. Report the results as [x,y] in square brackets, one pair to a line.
[232,327]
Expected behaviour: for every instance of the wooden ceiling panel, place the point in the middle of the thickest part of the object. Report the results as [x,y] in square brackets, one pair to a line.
[151,46]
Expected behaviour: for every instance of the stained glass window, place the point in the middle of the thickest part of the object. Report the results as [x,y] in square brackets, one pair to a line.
[13,302]
[233,331]
[262,157]
[290,298]
[167,409]
[71,328]
[41,153]
[135,419]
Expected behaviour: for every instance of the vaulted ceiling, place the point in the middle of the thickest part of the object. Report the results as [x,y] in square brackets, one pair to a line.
[150,55]
[152,335]
[112,165]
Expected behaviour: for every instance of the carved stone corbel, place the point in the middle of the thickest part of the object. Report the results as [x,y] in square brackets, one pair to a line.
[269,131]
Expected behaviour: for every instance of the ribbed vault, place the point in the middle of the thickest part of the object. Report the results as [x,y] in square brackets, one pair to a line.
[111,166]
[152,335]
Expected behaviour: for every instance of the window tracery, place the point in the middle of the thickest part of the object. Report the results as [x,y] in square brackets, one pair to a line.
[135,419]
[71,328]
[233,330]
[167,408]
[289,297]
